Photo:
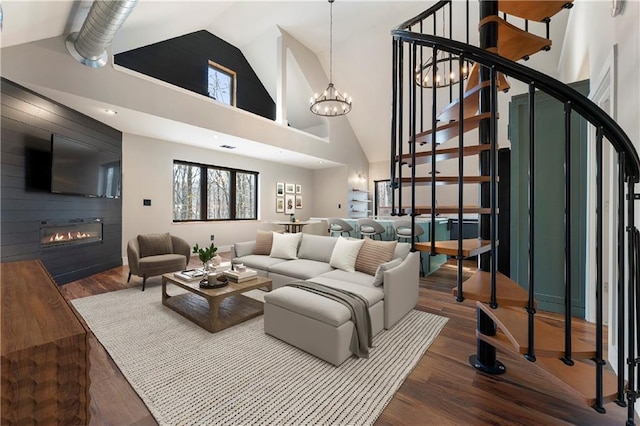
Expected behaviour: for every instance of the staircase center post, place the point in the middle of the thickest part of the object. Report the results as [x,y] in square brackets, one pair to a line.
[485,358]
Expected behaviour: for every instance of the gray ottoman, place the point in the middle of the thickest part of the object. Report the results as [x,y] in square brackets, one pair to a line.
[316,324]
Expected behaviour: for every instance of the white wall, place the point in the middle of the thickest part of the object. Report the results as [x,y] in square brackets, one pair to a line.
[147,161]
[591,36]
[147,173]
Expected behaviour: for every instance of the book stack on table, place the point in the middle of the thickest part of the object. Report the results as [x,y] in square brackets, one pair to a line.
[190,275]
[239,277]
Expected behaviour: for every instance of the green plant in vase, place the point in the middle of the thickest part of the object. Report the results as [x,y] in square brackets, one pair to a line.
[205,254]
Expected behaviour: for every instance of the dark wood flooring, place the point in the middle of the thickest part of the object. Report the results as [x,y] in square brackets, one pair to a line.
[442,390]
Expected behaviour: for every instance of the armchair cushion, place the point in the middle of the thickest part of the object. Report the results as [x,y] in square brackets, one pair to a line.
[155,244]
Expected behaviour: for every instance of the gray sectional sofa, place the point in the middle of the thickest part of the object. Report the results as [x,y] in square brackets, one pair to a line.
[319,325]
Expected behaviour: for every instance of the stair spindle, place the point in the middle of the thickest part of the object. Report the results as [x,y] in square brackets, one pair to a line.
[434,123]
[412,147]
[400,122]
[634,292]
[531,309]
[598,404]
[620,287]
[493,173]
[394,122]
[460,296]
[567,359]
[632,281]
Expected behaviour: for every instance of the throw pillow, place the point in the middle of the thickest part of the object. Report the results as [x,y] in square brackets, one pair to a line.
[373,253]
[379,277]
[285,246]
[264,240]
[345,253]
[154,244]
[402,250]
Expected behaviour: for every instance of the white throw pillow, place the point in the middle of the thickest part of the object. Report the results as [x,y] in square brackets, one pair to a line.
[285,246]
[345,253]
[379,278]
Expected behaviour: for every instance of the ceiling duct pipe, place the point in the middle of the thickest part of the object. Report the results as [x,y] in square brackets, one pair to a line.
[88,46]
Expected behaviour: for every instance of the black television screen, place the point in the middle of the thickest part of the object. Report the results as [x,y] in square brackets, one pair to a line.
[78,168]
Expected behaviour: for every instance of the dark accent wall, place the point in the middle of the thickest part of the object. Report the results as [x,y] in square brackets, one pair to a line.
[28,120]
[183,61]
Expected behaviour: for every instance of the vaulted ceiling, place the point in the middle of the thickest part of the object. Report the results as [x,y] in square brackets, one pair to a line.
[361,56]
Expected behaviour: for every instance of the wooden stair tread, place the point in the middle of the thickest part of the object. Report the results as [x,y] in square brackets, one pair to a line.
[450,130]
[532,10]
[442,154]
[474,77]
[446,180]
[549,340]
[470,247]
[424,210]
[580,378]
[514,43]
[508,292]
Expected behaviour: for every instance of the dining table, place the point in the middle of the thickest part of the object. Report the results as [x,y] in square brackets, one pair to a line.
[293,227]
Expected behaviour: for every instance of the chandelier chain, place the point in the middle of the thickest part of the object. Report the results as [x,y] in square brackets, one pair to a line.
[331,41]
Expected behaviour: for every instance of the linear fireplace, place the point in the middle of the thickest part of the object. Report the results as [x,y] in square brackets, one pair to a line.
[70,232]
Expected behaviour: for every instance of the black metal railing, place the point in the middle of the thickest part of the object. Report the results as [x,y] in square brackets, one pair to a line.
[414,109]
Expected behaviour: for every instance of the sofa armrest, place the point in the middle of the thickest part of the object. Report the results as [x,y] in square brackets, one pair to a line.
[400,286]
[133,256]
[180,246]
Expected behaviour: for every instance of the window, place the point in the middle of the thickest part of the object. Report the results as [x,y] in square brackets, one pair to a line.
[383,197]
[202,192]
[221,84]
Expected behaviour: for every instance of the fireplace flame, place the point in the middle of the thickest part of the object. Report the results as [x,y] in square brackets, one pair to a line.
[69,236]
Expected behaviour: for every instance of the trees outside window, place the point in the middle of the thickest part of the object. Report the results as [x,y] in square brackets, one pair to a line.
[206,192]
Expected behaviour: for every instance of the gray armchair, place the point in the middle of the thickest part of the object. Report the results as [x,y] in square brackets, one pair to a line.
[156,254]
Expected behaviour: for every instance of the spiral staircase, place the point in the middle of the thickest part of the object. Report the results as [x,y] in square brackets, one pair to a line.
[424,135]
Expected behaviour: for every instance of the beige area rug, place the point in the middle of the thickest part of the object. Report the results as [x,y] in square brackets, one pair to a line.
[241,376]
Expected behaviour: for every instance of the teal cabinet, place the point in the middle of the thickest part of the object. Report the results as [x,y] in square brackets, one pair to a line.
[549,258]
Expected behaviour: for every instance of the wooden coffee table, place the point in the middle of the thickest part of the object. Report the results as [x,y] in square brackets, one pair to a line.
[214,309]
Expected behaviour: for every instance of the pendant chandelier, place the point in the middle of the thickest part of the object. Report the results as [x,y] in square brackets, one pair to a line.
[447,68]
[446,65]
[331,103]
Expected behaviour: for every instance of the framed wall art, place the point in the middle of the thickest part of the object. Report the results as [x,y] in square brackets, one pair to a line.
[298,189]
[289,204]
[279,205]
[279,189]
[290,188]
[298,201]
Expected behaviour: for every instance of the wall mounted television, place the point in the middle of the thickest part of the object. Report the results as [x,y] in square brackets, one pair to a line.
[81,169]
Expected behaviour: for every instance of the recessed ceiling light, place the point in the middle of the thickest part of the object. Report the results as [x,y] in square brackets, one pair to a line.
[227,147]
[111,112]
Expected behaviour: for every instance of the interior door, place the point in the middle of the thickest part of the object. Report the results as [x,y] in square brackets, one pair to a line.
[549,257]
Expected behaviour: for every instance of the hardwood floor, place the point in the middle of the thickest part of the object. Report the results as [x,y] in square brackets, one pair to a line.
[443,389]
